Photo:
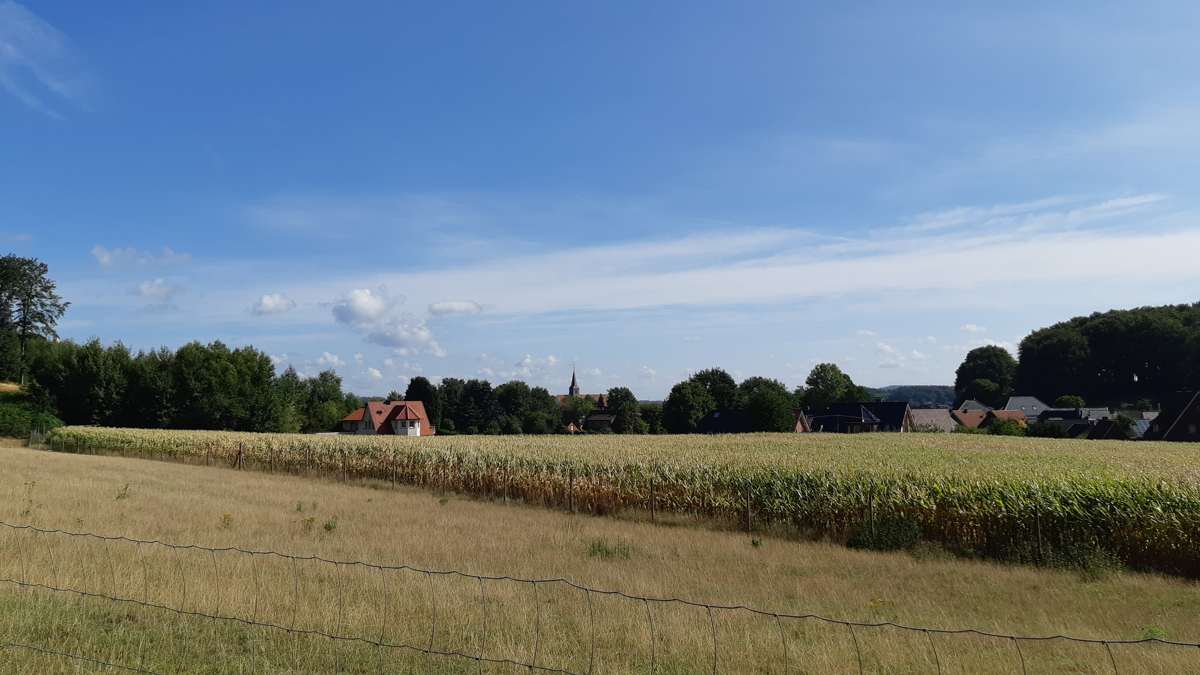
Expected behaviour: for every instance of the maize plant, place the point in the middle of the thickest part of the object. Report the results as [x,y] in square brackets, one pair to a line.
[1025,499]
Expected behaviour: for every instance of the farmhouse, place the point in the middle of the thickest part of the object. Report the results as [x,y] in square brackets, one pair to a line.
[393,418]
[854,418]
[1032,406]
[1178,421]
[933,419]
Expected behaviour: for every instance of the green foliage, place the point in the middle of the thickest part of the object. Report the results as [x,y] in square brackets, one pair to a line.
[719,385]
[600,548]
[1116,356]
[30,308]
[18,419]
[1045,430]
[685,406]
[767,403]
[991,363]
[890,533]
[421,389]
[985,391]
[1006,428]
[627,412]
[652,415]
[826,384]
[1069,401]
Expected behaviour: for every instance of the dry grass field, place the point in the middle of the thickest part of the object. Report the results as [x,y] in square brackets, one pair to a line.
[566,628]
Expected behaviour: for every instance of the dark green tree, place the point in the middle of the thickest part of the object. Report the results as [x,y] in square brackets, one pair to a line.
[626,411]
[826,384]
[30,306]
[986,363]
[767,403]
[719,385]
[421,389]
[685,406]
[1069,401]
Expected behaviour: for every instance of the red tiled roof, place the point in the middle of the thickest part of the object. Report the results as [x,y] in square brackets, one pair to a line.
[970,419]
[382,413]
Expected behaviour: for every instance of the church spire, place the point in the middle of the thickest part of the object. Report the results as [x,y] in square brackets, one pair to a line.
[574,390]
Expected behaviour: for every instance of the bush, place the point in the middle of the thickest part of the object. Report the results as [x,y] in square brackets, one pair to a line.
[1046,430]
[1007,428]
[18,419]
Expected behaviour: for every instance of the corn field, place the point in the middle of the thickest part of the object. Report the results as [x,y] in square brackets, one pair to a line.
[1021,499]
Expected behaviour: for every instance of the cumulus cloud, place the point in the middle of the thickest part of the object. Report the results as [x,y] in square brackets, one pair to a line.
[374,374]
[278,360]
[454,307]
[971,328]
[374,312]
[406,335]
[273,303]
[117,257]
[328,360]
[363,306]
[157,291]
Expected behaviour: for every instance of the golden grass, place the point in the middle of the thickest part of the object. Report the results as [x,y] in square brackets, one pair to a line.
[1022,499]
[222,507]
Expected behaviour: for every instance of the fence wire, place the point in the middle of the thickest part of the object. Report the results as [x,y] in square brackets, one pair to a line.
[480,656]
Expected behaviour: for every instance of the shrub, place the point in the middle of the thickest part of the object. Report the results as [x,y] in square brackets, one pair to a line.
[18,419]
[1007,428]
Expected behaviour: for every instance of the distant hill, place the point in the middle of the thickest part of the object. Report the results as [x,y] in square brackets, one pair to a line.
[918,395]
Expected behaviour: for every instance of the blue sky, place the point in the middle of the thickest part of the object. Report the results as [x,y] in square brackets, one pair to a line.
[644,189]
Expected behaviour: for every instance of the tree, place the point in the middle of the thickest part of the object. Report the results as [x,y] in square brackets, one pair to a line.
[685,406]
[991,363]
[719,385]
[985,391]
[1069,401]
[394,395]
[450,394]
[544,415]
[652,415]
[290,393]
[30,306]
[626,411]
[421,389]
[767,404]
[826,384]
[576,410]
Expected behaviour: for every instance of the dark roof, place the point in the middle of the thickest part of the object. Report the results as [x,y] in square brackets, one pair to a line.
[1061,414]
[1032,406]
[972,404]
[1179,419]
[890,414]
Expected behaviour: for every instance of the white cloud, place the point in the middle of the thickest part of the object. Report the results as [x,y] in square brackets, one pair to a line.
[931,339]
[38,63]
[374,374]
[885,348]
[863,332]
[373,311]
[647,373]
[363,306]
[328,360]
[273,303]
[454,307]
[157,291]
[972,328]
[110,257]
[358,358]
[919,355]
[278,360]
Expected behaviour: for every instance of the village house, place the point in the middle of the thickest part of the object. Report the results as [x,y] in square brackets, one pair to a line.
[933,419]
[1179,419]
[863,417]
[391,418]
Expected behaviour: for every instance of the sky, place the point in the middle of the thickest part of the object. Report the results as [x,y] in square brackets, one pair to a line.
[638,190]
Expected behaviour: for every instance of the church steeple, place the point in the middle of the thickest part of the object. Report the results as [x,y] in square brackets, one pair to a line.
[574,390]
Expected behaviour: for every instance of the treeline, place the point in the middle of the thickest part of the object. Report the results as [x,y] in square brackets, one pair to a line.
[476,407]
[1134,357]
[1114,357]
[197,386]
[711,401]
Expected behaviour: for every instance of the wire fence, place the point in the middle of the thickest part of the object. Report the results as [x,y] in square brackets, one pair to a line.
[186,580]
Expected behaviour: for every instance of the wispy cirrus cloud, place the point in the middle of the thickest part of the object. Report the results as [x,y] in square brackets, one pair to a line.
[108,258]
[38,64]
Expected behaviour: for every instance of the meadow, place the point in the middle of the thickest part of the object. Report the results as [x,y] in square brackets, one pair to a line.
[1019,499]
[557,626]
